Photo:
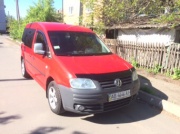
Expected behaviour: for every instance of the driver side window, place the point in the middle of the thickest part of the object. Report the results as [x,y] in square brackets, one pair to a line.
[41,39]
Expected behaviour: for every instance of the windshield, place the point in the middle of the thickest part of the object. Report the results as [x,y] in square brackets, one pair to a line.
[77,43]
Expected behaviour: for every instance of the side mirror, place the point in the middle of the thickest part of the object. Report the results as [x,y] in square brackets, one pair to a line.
[38,48]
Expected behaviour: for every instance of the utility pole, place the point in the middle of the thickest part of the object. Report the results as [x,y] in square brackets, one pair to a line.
[62,11]
[17,11]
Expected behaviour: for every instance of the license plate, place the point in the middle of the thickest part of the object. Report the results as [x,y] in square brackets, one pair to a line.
[119,95]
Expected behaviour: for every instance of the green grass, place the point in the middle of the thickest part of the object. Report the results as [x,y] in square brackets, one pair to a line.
[155,70]
[176,74]
[134,63]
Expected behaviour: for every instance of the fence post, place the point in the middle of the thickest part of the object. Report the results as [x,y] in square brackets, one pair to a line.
[115,46]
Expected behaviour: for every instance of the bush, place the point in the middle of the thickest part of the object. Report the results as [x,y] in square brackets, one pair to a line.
[42,11]
[176,74]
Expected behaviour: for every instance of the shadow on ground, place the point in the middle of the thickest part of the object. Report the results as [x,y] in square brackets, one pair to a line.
[70,114]
[20,79]
[77,132]
[146,86]
[0,44]
[136,111]
[7,119]
[46,130]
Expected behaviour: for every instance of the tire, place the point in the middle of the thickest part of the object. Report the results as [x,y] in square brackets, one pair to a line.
[54,99]
[24,72]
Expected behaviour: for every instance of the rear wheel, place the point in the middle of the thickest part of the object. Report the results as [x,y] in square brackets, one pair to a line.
[54,99]
[23,70]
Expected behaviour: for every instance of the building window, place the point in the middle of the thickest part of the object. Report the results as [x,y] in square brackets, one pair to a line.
[70,10]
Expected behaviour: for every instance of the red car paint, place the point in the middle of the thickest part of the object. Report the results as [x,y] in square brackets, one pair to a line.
[68,66]
[61,68]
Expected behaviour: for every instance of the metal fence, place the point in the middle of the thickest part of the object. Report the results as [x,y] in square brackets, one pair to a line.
[148,55]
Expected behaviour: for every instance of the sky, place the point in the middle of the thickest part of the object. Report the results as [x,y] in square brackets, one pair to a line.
[24,5]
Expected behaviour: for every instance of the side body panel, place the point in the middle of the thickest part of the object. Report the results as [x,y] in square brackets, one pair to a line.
[26,48]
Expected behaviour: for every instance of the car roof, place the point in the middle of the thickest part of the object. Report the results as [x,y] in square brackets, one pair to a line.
[55,26]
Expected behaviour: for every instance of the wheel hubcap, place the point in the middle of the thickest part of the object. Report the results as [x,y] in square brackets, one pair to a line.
[22,67]
[52,98]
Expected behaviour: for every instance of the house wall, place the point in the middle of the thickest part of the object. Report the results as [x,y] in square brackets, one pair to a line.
[75,13]
[72,11]
[2,17]
[152,35]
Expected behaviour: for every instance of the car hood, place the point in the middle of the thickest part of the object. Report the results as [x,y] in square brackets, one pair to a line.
[93,64]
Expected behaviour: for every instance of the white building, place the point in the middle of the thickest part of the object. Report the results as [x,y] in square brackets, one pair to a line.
[142,31]
[163,35]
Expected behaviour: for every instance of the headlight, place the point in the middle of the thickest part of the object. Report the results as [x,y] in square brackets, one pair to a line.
[82,83]
[134,75]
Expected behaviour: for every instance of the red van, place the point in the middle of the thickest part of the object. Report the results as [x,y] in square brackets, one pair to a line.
[76,69]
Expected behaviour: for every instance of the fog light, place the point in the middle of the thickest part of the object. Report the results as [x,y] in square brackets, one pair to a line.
[79,107]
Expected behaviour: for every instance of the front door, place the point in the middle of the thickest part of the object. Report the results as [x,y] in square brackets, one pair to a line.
[40,61]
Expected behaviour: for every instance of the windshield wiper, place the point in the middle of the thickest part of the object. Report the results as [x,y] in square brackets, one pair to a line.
[81,53]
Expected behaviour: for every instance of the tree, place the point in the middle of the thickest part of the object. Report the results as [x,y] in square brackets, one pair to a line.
[43,10]
[113,12]
[13,27]
[94,17]
[171,14]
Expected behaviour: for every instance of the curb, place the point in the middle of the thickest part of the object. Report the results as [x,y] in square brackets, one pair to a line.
[160,103]
[16,41]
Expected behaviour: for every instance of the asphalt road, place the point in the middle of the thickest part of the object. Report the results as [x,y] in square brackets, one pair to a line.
[24,108]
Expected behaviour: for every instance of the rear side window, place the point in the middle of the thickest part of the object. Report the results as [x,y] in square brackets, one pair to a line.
[28,37]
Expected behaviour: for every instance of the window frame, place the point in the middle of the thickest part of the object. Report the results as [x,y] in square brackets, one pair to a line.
[28,36]
[99,41]
[47,50]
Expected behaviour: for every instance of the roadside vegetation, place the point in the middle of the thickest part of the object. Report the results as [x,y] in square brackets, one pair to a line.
[42,11]
[114,12]
[156,70]
[107,12]
[176,74]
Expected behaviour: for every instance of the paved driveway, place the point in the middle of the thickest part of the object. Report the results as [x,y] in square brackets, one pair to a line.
[24,108]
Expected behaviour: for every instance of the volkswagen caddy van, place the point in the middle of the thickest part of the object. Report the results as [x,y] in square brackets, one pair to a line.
[76,69]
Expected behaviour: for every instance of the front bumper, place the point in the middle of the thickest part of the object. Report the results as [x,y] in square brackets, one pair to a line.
[96,100]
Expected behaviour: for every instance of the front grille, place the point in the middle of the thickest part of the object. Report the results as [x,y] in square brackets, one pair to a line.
[110,83]
[108,106]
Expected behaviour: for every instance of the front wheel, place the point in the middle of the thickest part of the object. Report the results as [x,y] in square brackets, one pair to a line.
[54,99]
